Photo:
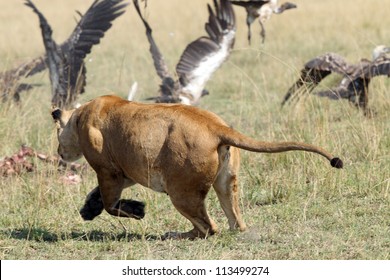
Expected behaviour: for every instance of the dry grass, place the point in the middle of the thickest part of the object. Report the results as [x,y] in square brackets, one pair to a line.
[295,205]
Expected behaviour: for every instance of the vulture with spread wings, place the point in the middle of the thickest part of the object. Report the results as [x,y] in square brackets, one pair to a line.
[66,62]
[200,59]
[262,9]
[355,81]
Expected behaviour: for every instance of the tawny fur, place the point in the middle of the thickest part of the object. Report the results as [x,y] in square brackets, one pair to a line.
[171,148]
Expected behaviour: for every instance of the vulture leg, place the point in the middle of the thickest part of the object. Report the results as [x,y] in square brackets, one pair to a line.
[262,32]
[249,32]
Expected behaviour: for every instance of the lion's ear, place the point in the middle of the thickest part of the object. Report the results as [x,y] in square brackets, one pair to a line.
[56,114]
[61,117]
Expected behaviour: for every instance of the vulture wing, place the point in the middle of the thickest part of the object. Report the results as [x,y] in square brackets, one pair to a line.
[9,80]
[54,57]
[316,70]
[26,69]
[88,32]
[66,62]
[380,66]
[158,59]
[246,4]
[204,56]
[354,87]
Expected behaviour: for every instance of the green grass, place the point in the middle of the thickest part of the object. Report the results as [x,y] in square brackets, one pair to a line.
[295,205]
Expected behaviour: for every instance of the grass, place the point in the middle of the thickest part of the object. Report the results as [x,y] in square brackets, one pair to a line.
[295,205]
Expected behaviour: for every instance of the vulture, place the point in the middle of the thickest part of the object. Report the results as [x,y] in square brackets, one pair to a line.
[262,9]
[355,77]
[200,59]
[66,61]
[9,80]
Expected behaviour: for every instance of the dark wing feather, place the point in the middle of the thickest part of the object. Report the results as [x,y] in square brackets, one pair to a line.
[66,62]
[354,87]
[205,55]
[88,32]
[213,26]
[158,59]
[93,25]
[83,37]
[316,70]
[54,59]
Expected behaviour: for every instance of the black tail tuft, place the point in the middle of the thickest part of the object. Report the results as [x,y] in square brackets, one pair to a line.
[336,162]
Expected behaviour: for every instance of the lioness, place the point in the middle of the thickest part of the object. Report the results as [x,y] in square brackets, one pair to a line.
[176,149]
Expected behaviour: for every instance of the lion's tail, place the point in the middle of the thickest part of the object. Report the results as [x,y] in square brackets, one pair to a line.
[231,137]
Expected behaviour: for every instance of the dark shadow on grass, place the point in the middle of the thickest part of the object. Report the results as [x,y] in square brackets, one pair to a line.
[36,234]
[100,236]
[43,235]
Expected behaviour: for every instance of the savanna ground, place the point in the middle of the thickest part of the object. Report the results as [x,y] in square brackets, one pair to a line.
[295,205]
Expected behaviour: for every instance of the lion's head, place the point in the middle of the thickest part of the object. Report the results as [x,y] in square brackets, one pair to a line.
[69,147]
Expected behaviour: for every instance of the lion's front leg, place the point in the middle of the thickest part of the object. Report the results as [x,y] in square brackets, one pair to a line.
[93,205]
[111,186]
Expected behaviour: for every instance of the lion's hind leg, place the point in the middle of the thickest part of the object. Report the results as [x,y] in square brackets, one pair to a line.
[226,186]
[192,206]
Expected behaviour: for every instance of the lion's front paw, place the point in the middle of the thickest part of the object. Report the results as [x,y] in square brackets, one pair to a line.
[93,206]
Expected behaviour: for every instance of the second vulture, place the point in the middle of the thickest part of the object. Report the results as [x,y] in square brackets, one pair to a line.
[261,9]
[200,59]
[355,77]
